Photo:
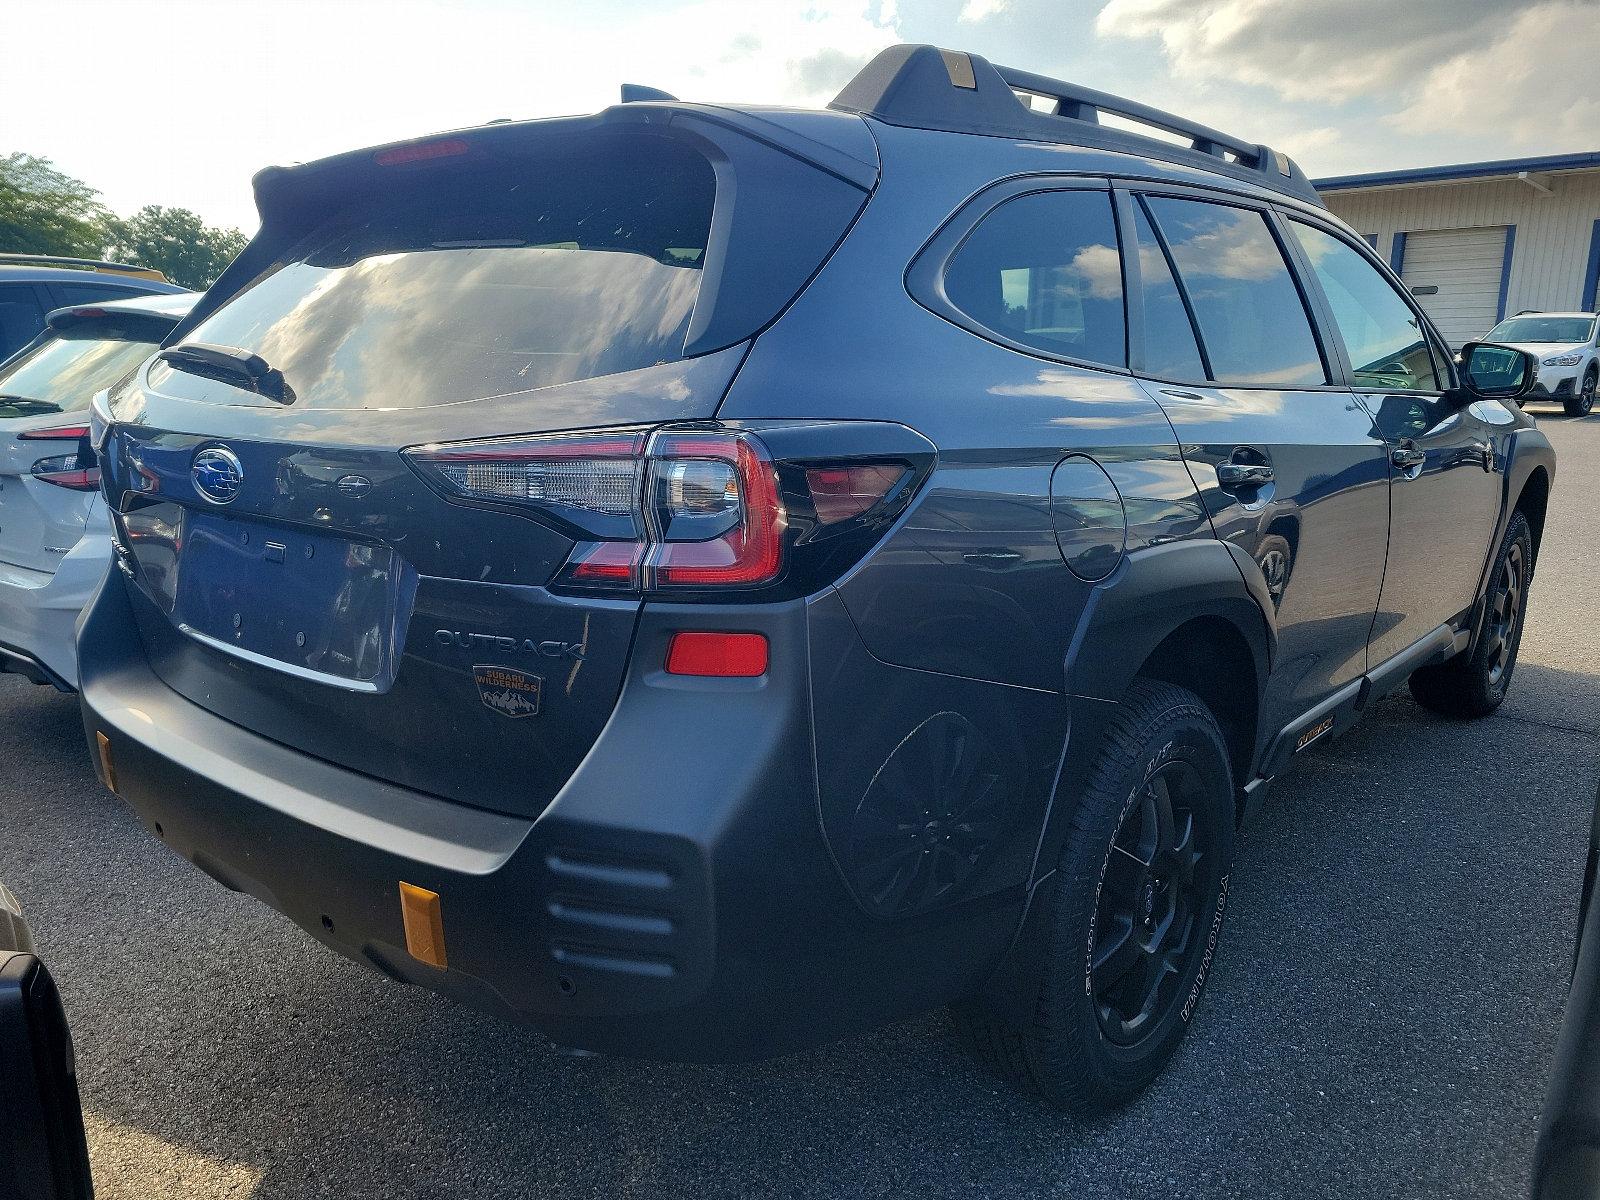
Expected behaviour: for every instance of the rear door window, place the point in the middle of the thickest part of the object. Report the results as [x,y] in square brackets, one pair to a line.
[475,280]
[1044,271]
[1251,317]
[1170,348]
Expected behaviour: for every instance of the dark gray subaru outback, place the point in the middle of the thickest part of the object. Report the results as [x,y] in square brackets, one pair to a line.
[707,580]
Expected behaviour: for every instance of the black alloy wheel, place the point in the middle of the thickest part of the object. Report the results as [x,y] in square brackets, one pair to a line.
[1144,939]
[1112,965]
[1582,404]
[1474,683]
[1505,612]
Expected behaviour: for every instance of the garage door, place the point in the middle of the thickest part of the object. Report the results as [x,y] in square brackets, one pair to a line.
[1455,276]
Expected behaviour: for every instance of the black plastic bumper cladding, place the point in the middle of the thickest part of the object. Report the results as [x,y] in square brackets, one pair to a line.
[675,899]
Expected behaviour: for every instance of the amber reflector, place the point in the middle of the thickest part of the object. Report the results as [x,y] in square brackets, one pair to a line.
[419,908]
[107,771]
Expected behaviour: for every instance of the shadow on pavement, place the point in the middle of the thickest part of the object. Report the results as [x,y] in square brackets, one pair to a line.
[1378,1022]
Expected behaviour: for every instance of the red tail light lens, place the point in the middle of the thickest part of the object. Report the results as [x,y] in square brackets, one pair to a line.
[79,471]
[841,493]
[693,510]
[56,433]
[719,655]
[65,472]
[715,506]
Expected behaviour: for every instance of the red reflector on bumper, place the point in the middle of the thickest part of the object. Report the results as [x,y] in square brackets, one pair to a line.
[724,655]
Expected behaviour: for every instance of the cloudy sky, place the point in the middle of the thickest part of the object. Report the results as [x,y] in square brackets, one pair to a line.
[182,100]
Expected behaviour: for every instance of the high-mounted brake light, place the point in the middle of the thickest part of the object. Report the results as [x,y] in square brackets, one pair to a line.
[420,152]
[693,510]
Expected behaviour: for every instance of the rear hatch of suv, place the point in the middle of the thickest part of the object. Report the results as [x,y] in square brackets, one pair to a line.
[291,568]
[47,474]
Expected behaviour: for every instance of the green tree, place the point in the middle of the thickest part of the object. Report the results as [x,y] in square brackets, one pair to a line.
[43,211]
[176,242]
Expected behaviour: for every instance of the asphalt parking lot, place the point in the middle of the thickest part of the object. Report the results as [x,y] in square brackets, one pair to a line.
[1379,1022]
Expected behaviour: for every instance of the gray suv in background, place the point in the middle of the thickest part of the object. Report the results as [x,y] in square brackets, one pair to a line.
[708,580]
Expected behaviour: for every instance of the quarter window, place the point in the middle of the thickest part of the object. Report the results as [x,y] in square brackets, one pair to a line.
[1251,317]
[1382,335]
[1044,271]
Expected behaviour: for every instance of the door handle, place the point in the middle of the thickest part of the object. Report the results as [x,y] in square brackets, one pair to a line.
[1243,475]
[1407,457]
[1485,453]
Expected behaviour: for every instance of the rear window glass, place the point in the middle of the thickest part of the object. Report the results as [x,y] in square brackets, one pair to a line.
[464,280]
[65,371]
[1044,271]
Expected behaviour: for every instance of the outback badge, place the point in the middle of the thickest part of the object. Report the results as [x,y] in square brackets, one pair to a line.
[510,692]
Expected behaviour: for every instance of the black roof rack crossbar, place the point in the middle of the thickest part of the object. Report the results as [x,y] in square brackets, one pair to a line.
[923,87]
[1085,104]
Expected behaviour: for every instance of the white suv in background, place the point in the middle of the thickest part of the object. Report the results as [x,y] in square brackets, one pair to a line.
[1567,346]
[55,536]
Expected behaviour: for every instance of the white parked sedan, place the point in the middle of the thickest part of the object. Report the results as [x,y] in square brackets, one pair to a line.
[1567,346]
[55,536]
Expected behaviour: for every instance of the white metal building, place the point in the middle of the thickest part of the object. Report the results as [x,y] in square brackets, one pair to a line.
[1479,241]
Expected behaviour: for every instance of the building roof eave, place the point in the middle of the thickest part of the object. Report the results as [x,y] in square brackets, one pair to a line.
[1460,172]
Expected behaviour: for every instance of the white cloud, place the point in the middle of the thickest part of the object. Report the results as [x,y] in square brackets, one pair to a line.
[1509,76]
[981,10]
[1534,84]
[379,70]
[1322,50]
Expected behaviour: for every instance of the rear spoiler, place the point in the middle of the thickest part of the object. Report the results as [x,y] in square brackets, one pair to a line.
[774,163]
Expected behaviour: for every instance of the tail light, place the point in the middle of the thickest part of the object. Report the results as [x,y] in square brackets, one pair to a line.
[689,510]
[79,471]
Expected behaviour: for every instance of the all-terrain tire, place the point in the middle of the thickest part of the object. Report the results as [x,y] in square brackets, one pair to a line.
[1080,1051]
[1474,683]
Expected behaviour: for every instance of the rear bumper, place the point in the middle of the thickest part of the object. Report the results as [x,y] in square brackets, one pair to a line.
[39,610]
[676,899]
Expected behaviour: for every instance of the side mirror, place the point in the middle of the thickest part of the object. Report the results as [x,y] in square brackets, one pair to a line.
[41,1118]
[1491,372]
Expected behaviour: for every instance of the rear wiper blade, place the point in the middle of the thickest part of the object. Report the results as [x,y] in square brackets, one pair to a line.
[27,403]
[230,365]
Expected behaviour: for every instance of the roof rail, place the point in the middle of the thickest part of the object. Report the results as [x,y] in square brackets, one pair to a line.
[924,87]
[79,264]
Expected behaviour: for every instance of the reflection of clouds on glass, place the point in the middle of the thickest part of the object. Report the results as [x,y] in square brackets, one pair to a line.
[67,372]
[1250,314]
[431,327]
[1380,331]
[1099,268]
[1227,244]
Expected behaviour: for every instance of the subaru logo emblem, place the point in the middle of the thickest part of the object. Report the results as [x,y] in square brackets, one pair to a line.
[354,486]
[217,474]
